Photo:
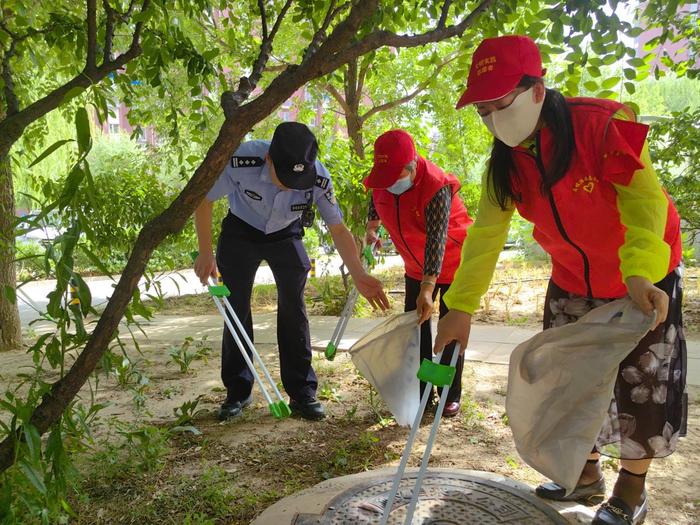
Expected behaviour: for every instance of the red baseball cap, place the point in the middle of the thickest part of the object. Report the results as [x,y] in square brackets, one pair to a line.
[393,150]
[498,66]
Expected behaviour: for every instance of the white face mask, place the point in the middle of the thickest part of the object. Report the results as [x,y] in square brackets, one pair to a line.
[515,123]
[400,186]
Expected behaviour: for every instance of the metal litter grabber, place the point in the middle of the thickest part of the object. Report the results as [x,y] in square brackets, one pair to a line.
[220,292]
[434,374]
[332,347]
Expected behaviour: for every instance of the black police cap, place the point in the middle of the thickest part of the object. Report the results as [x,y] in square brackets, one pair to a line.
[293,152]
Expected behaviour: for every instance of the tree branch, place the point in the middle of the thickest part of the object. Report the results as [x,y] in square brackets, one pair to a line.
[231,100]
[91,61]
[263,18]
[110,15]
[320,34]
[12,127]
[337,96]
[379,39]
[419,89]
[362,74]
[443,14]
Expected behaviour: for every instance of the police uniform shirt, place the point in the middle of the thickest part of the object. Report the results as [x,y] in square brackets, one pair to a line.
[255,199]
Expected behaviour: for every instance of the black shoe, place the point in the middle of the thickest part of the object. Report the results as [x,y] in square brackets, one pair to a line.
[616,512]
[233,408]
[590,494]
[308,409]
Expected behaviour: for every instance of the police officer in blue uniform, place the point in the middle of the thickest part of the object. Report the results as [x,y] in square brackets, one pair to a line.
[271,187]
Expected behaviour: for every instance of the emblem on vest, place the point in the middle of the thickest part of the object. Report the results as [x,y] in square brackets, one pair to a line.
[253,195]
[246,162]
[299,207]
[586,184]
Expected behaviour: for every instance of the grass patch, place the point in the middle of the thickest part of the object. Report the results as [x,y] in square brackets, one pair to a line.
[324,295]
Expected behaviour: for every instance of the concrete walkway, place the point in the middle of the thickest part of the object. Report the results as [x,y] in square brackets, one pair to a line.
[487,343]
[33,299]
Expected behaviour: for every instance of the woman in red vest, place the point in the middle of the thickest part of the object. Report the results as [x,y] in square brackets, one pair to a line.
[579,169]
[417,203]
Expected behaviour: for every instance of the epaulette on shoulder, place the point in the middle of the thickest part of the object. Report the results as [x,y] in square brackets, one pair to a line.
[322,182]
[246,162]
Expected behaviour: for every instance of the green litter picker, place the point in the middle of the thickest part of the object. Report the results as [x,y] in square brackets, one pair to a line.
[220,292]
[432,373]
[368,260]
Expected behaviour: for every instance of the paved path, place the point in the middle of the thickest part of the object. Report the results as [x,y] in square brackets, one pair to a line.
[487,343]
[33,295]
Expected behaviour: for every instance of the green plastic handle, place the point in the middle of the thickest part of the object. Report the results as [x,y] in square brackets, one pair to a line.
[435,373]
[219,291]
[368,256]
[330,351]
[280,410]
[194,255]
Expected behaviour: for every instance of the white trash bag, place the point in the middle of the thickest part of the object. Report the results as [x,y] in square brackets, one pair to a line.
[560,383]
[389,357]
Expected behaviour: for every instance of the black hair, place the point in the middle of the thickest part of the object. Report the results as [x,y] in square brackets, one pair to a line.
[501,170]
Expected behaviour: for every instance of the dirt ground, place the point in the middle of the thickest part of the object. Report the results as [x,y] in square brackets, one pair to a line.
[234,470]
[157,459]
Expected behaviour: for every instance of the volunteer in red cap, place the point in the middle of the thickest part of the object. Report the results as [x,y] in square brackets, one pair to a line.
[579,170]
[418,204]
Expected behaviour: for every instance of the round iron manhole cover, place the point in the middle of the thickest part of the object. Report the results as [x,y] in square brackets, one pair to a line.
[447,497]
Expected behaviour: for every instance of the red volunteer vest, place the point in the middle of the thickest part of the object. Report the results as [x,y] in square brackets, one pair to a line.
[579,224]
[403,217]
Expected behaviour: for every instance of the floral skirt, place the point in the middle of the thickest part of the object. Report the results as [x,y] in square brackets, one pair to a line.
[649,408]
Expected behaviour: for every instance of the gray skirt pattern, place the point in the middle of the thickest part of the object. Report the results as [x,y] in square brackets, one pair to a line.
[648,411]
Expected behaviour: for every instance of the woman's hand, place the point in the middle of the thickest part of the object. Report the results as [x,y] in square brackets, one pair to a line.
[424,303]
[455,326]
[648,297]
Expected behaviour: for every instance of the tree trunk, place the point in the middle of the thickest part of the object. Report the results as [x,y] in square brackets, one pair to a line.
[10,326]
[354,126]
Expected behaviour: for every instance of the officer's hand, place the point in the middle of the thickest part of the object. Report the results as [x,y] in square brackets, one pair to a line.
[205,266]
[424,303]
[372,238]
[648,297]
[455,326]
[372,290]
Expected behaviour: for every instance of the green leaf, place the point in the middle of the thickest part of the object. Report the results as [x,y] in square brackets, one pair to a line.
[594,71]
[33,441]
[630,74]
[10,293]
[82,128]
[610,83]
[591,85]
[83,294]
[34,477]
[96,261]
[48,151]
[633,106]
[629,87]
[70,188]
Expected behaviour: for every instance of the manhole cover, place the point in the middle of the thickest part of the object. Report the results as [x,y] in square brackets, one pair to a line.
[447,497]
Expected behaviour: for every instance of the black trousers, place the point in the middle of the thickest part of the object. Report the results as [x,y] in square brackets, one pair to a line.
[241,249]
[426,338]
